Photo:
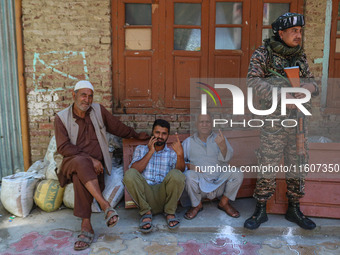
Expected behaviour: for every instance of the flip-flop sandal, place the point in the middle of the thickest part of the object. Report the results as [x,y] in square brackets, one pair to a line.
[87,239]
[236,216]
[109,217]
[188,218]
[144,223]
[176,219]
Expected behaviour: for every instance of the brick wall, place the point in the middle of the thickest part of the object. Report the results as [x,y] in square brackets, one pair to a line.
[320,124]
[142,122]
[64,41]
[70,40]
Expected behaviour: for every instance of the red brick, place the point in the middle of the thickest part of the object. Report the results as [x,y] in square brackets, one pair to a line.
[169,118]
[143,117]
[183,131]
[128,117]
[183,117]
[39,133]
[143,125]
[174,125]
[48,126]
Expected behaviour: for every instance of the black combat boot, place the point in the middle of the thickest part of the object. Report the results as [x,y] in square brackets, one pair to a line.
[295,215]
[259,216]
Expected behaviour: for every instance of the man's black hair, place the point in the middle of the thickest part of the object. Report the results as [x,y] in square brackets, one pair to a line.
[162,123]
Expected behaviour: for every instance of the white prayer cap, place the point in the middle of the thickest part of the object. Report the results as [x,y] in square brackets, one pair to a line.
[83,85]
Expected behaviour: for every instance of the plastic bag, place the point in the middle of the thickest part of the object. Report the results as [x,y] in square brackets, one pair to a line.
[68,198]
[38,167]
[114,188]
[49,157]
[319,139]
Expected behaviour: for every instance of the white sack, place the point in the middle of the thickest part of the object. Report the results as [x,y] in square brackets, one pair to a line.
[17,192]
[38,167]
[68,198]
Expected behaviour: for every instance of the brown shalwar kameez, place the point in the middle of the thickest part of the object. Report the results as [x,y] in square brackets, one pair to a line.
[77,165]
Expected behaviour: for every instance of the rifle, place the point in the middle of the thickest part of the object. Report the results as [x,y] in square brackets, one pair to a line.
[294,80]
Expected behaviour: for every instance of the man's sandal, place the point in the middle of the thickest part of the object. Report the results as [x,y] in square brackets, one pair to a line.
[144,223]
[192,210]
[231,211]
[87,239]
[108,217]
[176,219]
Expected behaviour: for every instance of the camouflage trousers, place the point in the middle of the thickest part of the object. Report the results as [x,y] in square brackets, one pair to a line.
[278,144]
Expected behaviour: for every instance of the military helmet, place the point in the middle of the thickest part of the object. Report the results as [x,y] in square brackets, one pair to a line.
[288,20]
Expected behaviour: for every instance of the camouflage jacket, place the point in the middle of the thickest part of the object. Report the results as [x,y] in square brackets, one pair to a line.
[262,80]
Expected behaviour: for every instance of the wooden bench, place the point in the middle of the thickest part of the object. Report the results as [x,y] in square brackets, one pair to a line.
[322,190]
[322,197]
[244,144]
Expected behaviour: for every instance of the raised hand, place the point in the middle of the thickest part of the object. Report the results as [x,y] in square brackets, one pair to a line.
[220,141]
[177,146]
[151,144]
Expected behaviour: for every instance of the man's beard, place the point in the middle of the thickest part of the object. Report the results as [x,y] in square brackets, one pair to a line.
[160,143]
[83,107]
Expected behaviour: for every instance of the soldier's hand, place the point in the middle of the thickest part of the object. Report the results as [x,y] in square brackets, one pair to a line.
[98,166]
[143,136]
[309,86]
[177,146]
[290,106]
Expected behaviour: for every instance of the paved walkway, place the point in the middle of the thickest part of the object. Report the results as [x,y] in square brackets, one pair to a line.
[211,232]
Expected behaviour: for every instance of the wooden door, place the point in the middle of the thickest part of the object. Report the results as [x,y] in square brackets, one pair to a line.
[158,45]
[137,67]
[333,88]
[229,38]
[186,48]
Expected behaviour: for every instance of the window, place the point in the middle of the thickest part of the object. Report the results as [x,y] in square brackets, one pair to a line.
[138,26]
[270,12]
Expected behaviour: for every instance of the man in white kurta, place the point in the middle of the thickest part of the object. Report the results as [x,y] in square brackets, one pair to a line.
[207,155]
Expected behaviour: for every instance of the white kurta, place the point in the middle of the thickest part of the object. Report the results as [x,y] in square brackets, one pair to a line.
[208,157]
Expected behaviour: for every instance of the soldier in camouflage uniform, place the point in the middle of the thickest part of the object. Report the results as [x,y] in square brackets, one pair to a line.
[280,51]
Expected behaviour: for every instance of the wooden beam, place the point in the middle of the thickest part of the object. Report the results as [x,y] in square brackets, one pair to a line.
[22,85]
